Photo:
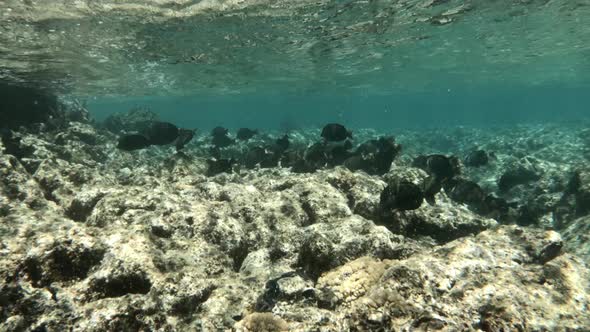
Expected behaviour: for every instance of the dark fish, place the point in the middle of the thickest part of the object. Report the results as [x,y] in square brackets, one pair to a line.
[270,159]
[378,154]
[219,131]
[133,142]
[254,156]
[465,191]
[338,154]
[334,132]
[316,155]
[215,152]
[431,186]
[442,167]
[283,143]
[161,133]
[497,208]
[476,158]
[291,158]
[387,152]
[217,166]
[220,137]
[261,156]
[245,134]
[401,195]
[421,162]
[348,145]
[355,163]
[222,141]
[184,137]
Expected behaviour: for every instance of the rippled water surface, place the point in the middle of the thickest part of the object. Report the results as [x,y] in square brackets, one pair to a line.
[158,47]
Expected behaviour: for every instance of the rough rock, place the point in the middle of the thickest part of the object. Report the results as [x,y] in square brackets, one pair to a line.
[577,237]
[444,221]
[118,241]
[581,189]
[490,282]
[520,172]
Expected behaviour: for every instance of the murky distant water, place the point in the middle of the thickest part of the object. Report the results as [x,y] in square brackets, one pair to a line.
[438,108]
[260,63]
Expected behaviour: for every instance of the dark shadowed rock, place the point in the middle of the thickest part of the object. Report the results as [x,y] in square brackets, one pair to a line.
[476,158]
[521,172]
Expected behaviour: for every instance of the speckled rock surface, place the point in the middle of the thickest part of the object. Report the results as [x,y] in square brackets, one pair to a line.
[96,239]
[577,237]
[494,281]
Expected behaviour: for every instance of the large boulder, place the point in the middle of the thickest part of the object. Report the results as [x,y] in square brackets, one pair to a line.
[517,173]
[508,278]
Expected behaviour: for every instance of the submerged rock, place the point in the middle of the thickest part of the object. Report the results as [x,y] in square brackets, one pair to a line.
[476,158]
[147,241]
[580,187]
[13,144]
[521,172]
[438,290]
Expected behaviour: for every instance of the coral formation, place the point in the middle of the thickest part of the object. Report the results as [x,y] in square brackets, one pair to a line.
[98,239]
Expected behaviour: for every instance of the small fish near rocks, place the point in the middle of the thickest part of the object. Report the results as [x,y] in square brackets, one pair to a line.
[184,137]
[220,137]
[161,133]
[217,166]
[282,144]
[156,133]
[401,195]
[133,142]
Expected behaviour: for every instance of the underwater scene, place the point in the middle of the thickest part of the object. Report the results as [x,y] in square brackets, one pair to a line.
[294,165]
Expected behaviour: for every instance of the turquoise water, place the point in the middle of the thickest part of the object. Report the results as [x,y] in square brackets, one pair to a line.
[451,107]
[467,59]
[357,165]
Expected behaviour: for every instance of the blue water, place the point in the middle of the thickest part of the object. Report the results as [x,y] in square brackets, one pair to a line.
[450,107]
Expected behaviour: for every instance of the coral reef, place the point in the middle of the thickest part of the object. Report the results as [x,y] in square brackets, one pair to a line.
[98,239]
